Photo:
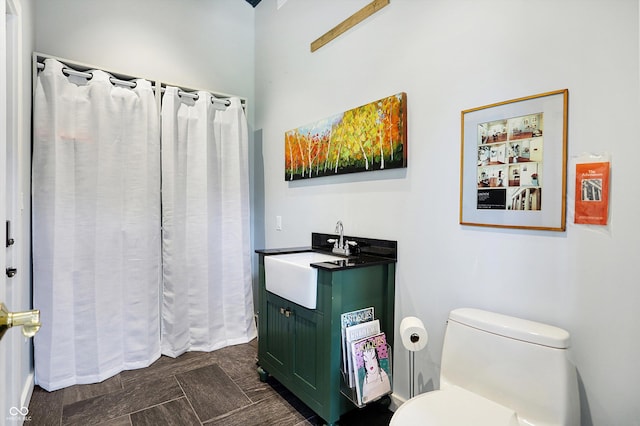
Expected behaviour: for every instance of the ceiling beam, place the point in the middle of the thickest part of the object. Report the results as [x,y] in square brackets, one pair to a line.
[349,23]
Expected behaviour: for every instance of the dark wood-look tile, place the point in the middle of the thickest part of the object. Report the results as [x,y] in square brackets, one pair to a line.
[201,387]
[115,404]
[166,366]
[237,361]
[118,421]
[173,413]
[256,390]
[271,411]
[79,392]
[211,392]
[45,408]
[291,400]
[254,344]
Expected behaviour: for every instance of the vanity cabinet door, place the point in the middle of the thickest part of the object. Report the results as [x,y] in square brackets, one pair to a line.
[275,340]
[307,363]
[289,348]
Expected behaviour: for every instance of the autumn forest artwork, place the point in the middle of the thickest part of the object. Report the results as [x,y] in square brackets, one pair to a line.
[366,138]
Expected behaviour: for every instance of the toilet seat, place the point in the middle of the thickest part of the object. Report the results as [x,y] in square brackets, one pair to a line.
[453,406]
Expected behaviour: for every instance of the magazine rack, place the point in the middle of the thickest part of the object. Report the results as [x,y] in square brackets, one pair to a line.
[350,392]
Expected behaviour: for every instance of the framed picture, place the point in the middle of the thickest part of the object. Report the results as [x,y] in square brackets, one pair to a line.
[367,138]
[513,163]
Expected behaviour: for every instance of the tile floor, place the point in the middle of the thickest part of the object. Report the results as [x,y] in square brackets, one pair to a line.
[197,388]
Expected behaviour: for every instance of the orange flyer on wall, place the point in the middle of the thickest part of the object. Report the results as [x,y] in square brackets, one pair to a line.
[592,193]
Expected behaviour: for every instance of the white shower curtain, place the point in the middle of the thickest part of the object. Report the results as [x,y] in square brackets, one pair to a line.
[96,221]
[207,295]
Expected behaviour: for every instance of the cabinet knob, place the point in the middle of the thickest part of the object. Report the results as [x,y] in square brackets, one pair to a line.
[286,312]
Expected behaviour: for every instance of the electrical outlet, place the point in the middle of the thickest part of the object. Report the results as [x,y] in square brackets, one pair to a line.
[278,223]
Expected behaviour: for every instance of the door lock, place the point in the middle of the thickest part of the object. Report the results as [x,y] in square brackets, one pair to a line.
[11,272]
[10,241]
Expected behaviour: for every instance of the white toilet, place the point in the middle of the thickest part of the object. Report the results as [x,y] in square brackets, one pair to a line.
[498,370]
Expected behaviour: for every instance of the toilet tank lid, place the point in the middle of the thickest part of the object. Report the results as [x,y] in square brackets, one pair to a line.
[511,327]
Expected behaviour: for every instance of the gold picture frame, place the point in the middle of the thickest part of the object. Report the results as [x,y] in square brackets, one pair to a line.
[513,163]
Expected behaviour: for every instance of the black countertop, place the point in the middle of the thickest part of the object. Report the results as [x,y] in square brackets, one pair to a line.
[368,252]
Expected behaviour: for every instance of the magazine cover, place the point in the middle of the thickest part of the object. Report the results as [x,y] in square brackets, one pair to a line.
[347,320]
[357,332]
[372,367]
[592,193]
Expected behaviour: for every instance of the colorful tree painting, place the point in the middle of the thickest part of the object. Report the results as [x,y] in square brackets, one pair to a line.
[366,138]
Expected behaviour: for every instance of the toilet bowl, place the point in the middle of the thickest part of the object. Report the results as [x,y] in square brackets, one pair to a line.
[498,370]
[454,406]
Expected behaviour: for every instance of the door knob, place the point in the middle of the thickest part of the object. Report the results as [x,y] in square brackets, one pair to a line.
[11,272]
[28,320]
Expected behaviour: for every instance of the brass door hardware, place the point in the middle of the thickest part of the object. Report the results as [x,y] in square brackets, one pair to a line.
[28,320]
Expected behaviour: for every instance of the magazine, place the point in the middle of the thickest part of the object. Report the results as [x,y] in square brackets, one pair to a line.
[592,193]
[357,332]
[372,367]
[347,320]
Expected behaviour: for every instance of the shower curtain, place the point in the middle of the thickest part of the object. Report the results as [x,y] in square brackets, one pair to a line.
[96,221]
[207,294]
[125,270]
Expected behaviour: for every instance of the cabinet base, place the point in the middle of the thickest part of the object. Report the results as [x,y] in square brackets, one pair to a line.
[264,375]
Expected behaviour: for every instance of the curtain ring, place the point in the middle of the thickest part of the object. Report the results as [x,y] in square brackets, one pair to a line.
[68,72]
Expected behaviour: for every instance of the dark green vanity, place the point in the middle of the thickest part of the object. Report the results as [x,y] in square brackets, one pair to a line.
[301,347]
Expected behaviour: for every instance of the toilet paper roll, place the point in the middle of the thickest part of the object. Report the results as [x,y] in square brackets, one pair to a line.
[413,334]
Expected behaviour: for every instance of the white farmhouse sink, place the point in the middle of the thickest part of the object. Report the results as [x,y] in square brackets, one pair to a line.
[290,276]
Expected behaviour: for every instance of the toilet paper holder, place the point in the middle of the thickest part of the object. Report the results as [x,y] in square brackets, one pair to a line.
[414,338]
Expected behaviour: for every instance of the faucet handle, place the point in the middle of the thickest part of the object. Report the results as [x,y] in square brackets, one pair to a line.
[333,241]
[347,246]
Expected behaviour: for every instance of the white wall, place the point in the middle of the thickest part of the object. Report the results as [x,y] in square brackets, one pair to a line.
[449,56]
[191,43]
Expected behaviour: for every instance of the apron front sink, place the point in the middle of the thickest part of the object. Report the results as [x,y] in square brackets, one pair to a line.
[292,277]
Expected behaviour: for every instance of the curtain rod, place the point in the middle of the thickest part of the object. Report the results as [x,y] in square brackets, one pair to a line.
[89,76]
[195,96]
[133,84]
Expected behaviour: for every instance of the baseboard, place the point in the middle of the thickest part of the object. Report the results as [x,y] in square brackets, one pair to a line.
[396,402]
[27,390]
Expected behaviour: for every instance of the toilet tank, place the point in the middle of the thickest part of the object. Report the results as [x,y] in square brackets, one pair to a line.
[517,363]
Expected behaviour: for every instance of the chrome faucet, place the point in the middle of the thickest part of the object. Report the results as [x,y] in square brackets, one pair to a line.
[340,245]
[340,230]
[28,320]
